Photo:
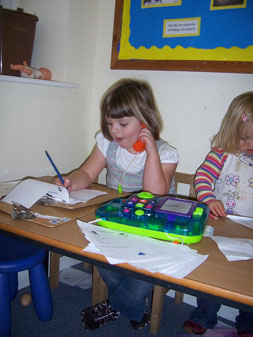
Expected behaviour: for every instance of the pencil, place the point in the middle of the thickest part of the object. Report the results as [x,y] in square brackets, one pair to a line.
[55,168]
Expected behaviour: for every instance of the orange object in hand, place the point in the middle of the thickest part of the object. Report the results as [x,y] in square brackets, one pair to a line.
[139,145]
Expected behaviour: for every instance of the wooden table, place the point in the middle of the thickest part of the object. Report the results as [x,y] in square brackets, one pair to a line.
[231,282]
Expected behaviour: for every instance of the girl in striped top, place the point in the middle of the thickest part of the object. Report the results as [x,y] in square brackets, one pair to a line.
[225,182]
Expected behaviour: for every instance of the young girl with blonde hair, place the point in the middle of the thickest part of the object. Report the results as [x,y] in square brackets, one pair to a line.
[225,182]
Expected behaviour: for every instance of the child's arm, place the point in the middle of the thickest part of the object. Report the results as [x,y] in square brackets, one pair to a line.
[157,177]
[205,178]
[87,173]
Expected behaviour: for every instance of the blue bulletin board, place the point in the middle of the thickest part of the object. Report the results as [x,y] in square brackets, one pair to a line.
[199,35]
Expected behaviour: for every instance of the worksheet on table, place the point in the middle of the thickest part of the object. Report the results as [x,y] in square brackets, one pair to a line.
[28,191]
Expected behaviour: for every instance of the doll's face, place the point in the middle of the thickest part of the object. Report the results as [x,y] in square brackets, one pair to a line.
[246,142]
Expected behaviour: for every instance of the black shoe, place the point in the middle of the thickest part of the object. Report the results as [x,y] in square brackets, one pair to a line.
[98,314]
[139,325]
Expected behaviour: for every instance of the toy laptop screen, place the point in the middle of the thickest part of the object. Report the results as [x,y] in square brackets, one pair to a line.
[175,206]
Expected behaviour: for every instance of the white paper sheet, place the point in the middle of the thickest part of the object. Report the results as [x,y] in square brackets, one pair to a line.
[140,251]
[76,278]
[235,249]
[85,195]
[7,186]
[28,191]
[242,220]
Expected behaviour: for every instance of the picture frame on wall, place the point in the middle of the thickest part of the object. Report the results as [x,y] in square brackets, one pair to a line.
[183,35]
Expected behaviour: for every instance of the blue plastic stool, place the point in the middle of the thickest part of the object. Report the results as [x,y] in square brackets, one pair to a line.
[16,256]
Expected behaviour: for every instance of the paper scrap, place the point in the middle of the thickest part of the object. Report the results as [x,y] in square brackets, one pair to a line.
[242,220]
[76,278]
[235,249]
[209,230]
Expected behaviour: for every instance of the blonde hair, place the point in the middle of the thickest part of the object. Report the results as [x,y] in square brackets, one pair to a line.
[128,97]
[235,123]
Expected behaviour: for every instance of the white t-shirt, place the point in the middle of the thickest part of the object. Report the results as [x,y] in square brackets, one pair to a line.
[167,155]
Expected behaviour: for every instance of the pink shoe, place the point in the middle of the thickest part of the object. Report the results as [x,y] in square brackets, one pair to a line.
[193,328]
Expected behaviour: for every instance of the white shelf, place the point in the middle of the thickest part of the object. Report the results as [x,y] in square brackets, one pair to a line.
[24,80]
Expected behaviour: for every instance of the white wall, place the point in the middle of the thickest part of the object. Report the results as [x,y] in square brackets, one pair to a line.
[73,39]
[35,118]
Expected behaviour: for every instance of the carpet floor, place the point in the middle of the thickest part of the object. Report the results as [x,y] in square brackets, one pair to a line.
[68,304]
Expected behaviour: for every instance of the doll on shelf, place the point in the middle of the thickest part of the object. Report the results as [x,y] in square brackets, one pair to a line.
[27,71]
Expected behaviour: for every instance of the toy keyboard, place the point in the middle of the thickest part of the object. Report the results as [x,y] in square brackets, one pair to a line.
[165,218]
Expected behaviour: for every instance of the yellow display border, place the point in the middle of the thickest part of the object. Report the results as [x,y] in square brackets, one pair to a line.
[188,59]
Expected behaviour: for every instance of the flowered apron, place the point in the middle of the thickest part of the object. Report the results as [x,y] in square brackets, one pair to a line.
[235,185]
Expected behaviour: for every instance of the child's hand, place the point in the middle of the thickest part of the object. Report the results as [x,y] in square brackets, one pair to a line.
[216,208]
[146,136]
[67,183]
